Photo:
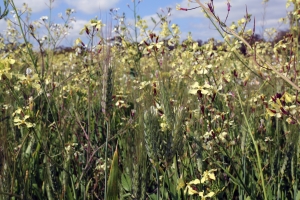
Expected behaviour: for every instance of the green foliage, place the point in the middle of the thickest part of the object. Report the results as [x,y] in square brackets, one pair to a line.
[5,12]
[159,119]
[114,178]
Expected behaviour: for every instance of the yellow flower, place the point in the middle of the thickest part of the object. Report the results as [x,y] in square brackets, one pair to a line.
[97,24]
[22,122]
[192,191]
[208,175]
[91,26]
[84,29]
[78,41]
[144,84]
[30,80]
[5,67]
[205,89]
[165,32]
[209,195]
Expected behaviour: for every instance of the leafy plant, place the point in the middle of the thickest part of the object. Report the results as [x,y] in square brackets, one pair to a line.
[157,118]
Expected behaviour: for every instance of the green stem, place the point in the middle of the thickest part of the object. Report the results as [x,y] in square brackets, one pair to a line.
[157,178]
[235,170]
[256,148]
[134,15]
[11,195]
[106,148]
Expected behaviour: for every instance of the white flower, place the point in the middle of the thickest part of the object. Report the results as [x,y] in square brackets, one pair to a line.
[77,51]
[115,30]
[28,72]
[15,17]
[44,18]
[44,37]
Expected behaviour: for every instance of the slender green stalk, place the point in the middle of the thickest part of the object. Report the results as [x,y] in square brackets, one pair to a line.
[11,195]
[106,149]
[157,179]
[255,146]
[135,17]
[48,181]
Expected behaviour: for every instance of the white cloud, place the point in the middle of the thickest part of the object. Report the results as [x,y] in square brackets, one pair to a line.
[35,5]
[89,6]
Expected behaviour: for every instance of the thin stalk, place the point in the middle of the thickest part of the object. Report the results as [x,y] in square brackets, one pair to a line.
[11,195]
[178,174]
[163,188]
[89,100]
[135,16]
[235,170]
[48,183]
[296,42]
[233,179]
[244,170]
[157,178]
[15,160]
[255,146]
[106,148]
[137,61]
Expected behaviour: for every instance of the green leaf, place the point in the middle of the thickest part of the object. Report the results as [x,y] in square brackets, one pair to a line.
[126,195]
[69,193]
[248,198]
[298,195]
[153,197]
[113,180]
[126,182]
[153,20]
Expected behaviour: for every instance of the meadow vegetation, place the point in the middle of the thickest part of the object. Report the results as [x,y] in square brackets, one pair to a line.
[155,118]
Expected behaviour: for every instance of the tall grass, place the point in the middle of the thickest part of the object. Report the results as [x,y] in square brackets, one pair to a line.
[156,119]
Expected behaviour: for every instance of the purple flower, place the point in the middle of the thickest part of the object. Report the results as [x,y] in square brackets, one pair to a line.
[211,7]
[228,6]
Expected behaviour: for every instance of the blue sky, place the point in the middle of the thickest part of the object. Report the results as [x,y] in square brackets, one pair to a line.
[190,21]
